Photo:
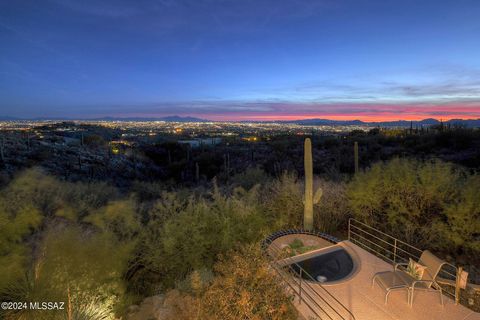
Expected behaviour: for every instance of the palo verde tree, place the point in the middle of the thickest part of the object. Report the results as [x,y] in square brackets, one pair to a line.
[405,197]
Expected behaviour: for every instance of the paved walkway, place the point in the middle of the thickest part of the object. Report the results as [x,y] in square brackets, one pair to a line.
[367,303]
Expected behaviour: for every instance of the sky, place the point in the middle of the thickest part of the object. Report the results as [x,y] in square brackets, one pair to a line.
[240,59]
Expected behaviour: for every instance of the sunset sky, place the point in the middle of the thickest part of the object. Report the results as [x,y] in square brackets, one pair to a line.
[241,59]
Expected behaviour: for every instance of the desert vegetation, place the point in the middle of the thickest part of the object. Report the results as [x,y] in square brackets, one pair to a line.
[101,249]
[430,204]
[88,152]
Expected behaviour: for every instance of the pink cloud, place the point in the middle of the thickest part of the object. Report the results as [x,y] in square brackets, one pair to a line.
[284,110]
[366,112]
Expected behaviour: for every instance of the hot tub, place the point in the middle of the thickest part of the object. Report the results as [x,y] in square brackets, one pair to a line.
[327,266]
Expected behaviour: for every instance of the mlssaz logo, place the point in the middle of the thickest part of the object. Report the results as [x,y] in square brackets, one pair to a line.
[47,305]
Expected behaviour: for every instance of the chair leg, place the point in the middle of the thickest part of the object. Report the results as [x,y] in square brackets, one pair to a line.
[411,296]
[412,290]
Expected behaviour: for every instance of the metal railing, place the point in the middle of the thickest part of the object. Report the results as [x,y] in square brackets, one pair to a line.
[390,248]
[321,302]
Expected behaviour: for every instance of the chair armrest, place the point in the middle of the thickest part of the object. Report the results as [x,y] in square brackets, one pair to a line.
[397,265]
[432,282]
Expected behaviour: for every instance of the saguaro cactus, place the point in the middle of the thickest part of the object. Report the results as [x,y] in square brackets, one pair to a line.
[355,155]
[2,147]
[197,172]
[27,140]
[225,168]
[308,202]
[309,199]
[226,164]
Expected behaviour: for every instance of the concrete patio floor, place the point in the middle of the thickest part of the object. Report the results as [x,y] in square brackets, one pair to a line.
[367,302]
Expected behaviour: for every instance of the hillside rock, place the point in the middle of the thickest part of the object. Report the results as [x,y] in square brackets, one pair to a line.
[151,308]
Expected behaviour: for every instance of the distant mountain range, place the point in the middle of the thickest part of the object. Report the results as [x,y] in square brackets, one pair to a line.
[139,119]
[142,119]
[470,123]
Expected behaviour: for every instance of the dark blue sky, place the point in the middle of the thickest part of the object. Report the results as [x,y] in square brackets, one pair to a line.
[240,59]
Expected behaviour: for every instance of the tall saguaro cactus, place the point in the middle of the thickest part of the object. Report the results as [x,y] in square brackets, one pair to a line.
[197,172]
[2,147]
[309,199]
[355,155]
[308,202]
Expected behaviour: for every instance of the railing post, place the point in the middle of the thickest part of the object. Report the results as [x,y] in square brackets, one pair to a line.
[300,287]
[395,251]
[349,221]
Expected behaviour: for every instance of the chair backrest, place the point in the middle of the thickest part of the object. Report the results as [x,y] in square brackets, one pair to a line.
[433,264]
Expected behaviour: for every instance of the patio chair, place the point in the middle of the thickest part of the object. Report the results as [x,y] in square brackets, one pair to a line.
[392,281]
[399,278]
[428,281]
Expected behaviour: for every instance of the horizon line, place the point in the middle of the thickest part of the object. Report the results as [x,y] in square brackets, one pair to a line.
[242,119]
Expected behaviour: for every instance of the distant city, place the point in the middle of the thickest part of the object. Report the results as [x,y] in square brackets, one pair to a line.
[122,150]
[282,125]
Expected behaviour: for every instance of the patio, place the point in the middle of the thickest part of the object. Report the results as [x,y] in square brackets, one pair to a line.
[367,302]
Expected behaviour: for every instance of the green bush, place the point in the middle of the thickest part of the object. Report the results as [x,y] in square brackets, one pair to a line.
[246,288]
[284,202]
[15,226]
[82,269]
[49,196]
[462,225]
[176,244]
[250,177]
[118,217]
[332,212]
[296,244]
[429,204]
[32,188]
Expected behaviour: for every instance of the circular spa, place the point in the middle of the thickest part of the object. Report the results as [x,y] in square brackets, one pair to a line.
[313,256]
[327,266]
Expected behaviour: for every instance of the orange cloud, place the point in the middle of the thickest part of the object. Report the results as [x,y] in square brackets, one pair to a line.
[364,112]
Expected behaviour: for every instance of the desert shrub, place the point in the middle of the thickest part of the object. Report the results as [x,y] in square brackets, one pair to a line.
[461,228]
[192,239]
[182,306]
[145,276]
[196,281]
[198,231]
[20,215]
[15,226]
[36,260]
[147,191]
[80,268]
[35,189]
[83,198]
[167,206]
[284,202]
[250,177]
[94,140]
[430,204]
[332,212]
[48,195]
[296,243]
[118,217]
[246,288]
